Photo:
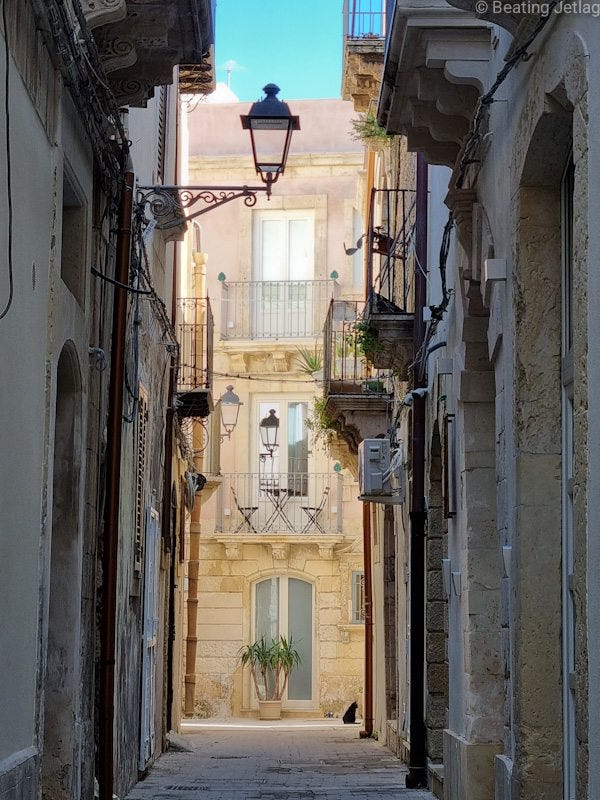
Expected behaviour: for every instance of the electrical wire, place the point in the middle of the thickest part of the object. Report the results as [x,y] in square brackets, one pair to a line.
[474,140]
[114,282]
[11,284]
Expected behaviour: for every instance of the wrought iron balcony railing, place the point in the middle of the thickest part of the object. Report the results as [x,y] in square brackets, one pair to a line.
[302,503]
[390,257]
[196,332]
[367,19]
[346,367]
[274,309]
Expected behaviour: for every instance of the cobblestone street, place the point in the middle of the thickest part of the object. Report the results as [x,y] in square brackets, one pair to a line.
[248,760]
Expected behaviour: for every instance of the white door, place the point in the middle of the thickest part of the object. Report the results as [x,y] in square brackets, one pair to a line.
[284,606]
[149,636]
[283,271]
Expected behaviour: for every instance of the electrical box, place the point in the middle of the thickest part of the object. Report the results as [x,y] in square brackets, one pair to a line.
[377,483]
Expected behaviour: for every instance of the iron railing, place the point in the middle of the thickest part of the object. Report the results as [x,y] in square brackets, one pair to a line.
[366,19]
[346,369]
[279,503]
[196,334]
[274,309]
[391,255]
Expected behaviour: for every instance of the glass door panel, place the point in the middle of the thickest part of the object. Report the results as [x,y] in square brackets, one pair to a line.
[300,631]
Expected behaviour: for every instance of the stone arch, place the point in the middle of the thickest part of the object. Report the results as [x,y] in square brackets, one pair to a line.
[59,766]
[558,128]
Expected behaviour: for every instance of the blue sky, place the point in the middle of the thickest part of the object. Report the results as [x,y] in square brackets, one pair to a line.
[296,44]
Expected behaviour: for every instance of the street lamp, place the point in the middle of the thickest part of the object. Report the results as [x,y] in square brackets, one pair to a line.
[230,409]
[269,427]
[271,125]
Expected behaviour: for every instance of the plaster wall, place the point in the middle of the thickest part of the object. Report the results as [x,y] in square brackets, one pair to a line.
[42,317]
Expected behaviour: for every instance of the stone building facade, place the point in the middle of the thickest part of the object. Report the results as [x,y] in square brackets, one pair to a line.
[270,286]
[506,102]
[72,635]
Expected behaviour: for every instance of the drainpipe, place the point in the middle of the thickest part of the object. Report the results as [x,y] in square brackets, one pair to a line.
[368,693]
[169,524]
[113,488]
[417,769]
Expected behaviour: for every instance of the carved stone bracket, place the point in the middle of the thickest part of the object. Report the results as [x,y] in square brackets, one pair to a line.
[326,551]
[232,550]
[280,551]
[437,66]
[140,42]
[103,12]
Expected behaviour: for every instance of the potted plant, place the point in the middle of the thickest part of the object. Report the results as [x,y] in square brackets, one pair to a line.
[270,667]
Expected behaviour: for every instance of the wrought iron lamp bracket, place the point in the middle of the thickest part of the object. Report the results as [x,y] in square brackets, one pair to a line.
[168,204]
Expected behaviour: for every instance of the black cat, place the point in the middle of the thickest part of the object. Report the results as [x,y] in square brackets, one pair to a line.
[349,717]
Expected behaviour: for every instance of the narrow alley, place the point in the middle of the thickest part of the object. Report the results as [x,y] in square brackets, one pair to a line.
[252,760]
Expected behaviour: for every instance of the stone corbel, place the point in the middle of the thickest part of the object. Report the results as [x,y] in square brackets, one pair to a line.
[103,12]
[463,55]
[232,550]
[116,52]
[444,153]
[326,551]
[280,551]
[460,202]
[280,361]
[238,362]
[449,98]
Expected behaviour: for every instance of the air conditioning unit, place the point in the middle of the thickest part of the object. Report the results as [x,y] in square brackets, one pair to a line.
[378,482]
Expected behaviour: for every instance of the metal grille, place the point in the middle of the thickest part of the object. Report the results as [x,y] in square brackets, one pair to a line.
[366,19]
[196,334]
[274,309]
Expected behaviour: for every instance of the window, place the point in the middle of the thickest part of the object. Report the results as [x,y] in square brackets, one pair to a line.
[283,606]
[283,270]
[358,597]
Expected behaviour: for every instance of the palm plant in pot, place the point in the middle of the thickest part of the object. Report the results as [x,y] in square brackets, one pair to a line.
[270,667]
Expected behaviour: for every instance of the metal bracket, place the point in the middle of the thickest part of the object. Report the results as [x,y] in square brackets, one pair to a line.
[167,204]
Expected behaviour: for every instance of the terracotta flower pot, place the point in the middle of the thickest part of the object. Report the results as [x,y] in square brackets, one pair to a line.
[269,709]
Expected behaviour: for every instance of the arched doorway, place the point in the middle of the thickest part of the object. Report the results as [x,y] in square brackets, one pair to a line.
[59,779]
[284,606]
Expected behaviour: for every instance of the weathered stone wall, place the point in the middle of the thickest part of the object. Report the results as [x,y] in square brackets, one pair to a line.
[225,624]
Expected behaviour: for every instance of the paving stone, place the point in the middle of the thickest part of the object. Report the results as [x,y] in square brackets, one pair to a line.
[290,760]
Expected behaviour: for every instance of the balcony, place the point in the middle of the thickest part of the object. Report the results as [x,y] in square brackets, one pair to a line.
[365,29]
[366,19]
[437,64]
[357,393]
[273,310]
[279,504]
[140,44]
[194,380]
[389,313]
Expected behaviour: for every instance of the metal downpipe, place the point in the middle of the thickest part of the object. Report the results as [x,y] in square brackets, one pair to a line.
[113,488]
[417,768]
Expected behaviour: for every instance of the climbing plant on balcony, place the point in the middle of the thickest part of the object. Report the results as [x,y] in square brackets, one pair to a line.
[366,339]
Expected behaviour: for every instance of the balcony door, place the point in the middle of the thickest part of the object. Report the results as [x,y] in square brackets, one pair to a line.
[284,484]
[284,606]
[283,271]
